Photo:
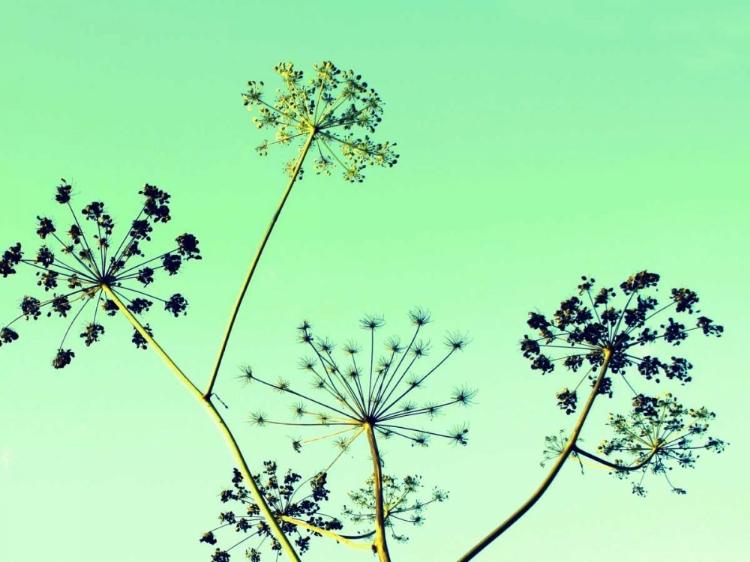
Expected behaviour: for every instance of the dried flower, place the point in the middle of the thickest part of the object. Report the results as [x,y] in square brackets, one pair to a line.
[83,268]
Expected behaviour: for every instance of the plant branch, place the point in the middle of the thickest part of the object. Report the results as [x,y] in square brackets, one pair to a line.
[618,467]
[206,401]
[330,534]
[380,539]
[254,264]
[569,447]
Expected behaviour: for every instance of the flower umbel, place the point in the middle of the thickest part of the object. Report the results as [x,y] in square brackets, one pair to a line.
[582,329]
[290,501]
[657,435]
[364,391]
[82,269]
[399,506]
[328,107]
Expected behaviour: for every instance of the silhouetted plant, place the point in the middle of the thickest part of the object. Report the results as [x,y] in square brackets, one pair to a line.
[295,506]
[589,334]
[369,397]
[92,268]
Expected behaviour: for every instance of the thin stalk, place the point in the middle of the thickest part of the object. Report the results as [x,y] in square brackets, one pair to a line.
[206,401]
[330,534]
[254,264]
[618,467]
[380,541]
[569,447]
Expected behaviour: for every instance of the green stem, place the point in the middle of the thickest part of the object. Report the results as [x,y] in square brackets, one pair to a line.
[206,401]
[567,450]
[380,545]
[254,264]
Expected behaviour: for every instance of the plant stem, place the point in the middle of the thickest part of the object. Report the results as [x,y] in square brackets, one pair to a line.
[334,536]
[521,511]
[381,544]
[206,401]
[613,466]
[254,264]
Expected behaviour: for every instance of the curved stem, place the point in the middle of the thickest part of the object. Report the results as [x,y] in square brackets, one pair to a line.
[235,448]
[618,467]
[254,264]
[380,544]
[331,534]
[521,511]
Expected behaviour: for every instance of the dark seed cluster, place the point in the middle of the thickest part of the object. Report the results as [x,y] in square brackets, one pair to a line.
[76,268]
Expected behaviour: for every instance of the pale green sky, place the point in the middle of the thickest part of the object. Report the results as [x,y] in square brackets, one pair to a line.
[539,141]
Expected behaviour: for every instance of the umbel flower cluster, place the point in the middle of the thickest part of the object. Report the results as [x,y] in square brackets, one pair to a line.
[323,114]
[399,505]
[76,269]
[295,505]
[656,436]
[363,391]
[591,333]
[589,326]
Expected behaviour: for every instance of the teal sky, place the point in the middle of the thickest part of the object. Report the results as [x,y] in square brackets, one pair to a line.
[539,141]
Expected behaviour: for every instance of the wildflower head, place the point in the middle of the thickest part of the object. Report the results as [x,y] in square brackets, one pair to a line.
[657,435]
[362,389]
[84,268]
[337,109]
[287,495]
[592,325]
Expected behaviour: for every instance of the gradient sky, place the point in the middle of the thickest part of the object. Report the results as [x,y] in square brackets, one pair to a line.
[539,141]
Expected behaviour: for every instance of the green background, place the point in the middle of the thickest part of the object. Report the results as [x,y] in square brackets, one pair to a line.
[540,141]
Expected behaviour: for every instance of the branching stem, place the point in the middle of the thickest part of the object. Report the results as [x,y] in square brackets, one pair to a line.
[569,448]
[206,401]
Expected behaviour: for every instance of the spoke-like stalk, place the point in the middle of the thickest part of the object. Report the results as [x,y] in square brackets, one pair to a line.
[206,401]
[380,540]
[569,447]
[254,264]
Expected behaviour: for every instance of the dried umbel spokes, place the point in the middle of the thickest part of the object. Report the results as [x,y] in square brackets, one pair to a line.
[657,435]
[363,391]
[587,325]
[291,501]
[329,107]
[76,269]
[399,503]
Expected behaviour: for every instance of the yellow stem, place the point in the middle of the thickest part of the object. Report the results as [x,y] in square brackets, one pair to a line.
[206,401]
[334,536]
[521,511]
[254,264]
[381,544]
